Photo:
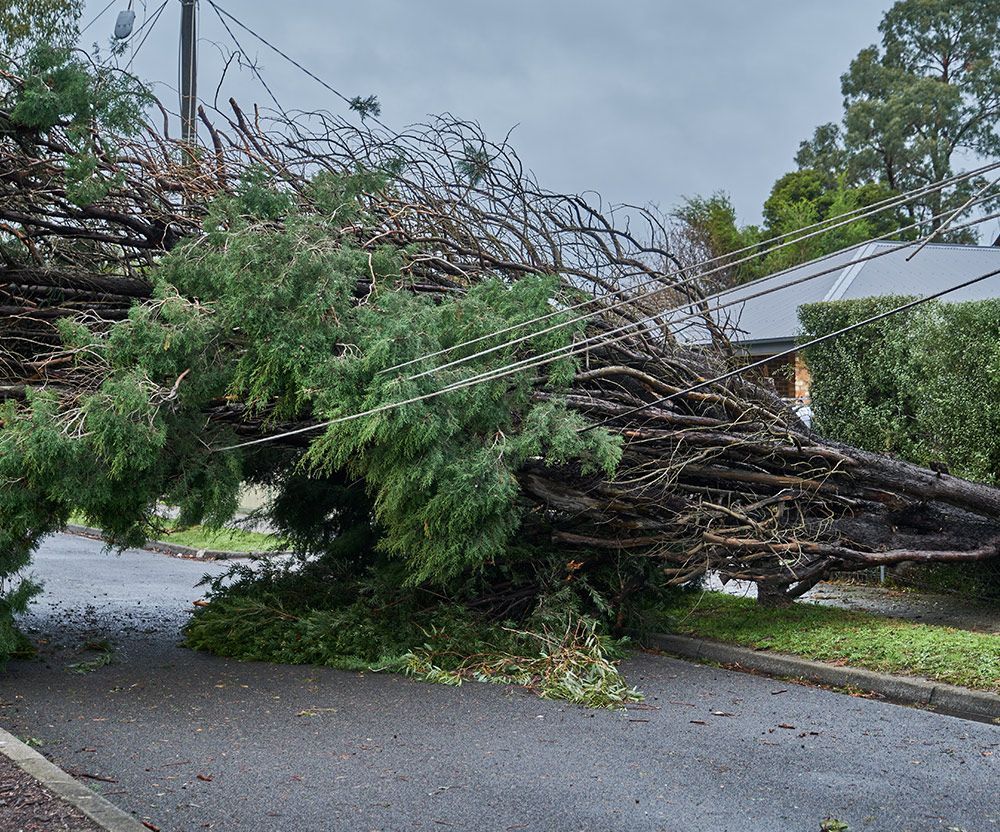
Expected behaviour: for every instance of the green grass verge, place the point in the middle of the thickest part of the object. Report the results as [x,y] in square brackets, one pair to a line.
[226,540]
[200,537]
[890,645]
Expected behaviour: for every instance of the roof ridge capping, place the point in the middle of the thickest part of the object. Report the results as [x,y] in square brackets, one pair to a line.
[910,243]
[862,258]
[849,273]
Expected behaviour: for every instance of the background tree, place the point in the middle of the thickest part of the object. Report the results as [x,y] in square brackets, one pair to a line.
[24,23]
[707,228]
[926,96]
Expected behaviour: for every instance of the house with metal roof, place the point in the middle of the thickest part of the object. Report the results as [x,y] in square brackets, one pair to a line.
[769,324]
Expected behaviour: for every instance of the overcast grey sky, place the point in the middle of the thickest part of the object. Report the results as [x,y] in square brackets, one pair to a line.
[644,101]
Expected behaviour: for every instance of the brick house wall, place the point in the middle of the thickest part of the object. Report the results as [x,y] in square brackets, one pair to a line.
[789,376]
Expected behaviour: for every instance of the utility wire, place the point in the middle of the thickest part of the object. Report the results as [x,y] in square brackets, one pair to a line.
[759,250]
[621,333]
[146,16]
[822,226]
[811,343]
[636,299]
[221,11]
[952,216]
[151,21]
[475,381]
[605,337]
[498,372]
[97,16]
[250,63]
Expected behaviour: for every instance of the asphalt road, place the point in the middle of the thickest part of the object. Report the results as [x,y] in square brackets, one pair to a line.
[194,742]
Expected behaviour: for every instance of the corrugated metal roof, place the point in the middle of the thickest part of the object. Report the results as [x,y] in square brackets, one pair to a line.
[937,266]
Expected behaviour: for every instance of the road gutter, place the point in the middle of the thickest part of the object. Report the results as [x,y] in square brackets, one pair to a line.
[907,690]
[106,815]
[172,548]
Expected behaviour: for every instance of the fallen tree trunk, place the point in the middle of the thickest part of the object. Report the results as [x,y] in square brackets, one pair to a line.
[722,479]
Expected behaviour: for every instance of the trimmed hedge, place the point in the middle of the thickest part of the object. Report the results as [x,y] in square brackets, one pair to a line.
[923,385]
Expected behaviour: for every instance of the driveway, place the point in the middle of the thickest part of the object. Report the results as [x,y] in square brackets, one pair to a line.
[189,741]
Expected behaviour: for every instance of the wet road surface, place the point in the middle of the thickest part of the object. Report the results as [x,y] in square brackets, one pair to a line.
[190,741]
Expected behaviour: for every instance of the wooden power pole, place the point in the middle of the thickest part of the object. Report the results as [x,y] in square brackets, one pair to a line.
[189,71]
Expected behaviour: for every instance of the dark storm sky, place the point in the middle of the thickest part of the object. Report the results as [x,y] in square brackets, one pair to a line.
[643,101]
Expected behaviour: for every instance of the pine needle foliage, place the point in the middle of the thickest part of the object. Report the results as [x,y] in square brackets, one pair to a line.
[571,661]
[88,102]
[316,612]
[263,309]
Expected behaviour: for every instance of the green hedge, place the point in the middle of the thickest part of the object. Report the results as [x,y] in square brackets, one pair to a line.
[923,385]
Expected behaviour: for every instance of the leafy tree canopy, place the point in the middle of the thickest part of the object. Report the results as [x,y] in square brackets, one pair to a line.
[927,94]
[24,23]
[797,200]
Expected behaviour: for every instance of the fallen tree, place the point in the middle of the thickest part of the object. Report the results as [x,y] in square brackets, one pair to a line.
[163,306]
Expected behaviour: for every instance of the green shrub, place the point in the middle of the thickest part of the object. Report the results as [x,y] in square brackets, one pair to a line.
[923,385]
[862,386]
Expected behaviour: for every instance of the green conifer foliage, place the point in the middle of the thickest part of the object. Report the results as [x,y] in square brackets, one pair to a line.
[264,309]
[62,89]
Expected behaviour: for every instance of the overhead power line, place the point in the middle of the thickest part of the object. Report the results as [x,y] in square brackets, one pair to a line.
[654,319]
[811,343]
[504,371]
[97,16]
[253,67]
[964,206]
[151,22]
[350,102]
[685,391]
[758,250]
[621,333]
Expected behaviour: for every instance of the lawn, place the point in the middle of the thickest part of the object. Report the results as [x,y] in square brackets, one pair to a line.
[225,540]
[201,537]
[943,654]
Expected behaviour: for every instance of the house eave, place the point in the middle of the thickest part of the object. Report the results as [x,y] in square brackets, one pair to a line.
[766,346]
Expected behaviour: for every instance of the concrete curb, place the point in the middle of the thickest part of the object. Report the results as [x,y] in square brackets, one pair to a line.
[902,689]
[173,548]
[106,815]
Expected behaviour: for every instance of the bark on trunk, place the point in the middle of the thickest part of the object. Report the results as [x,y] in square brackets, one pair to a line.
[772,595]
[724,478]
